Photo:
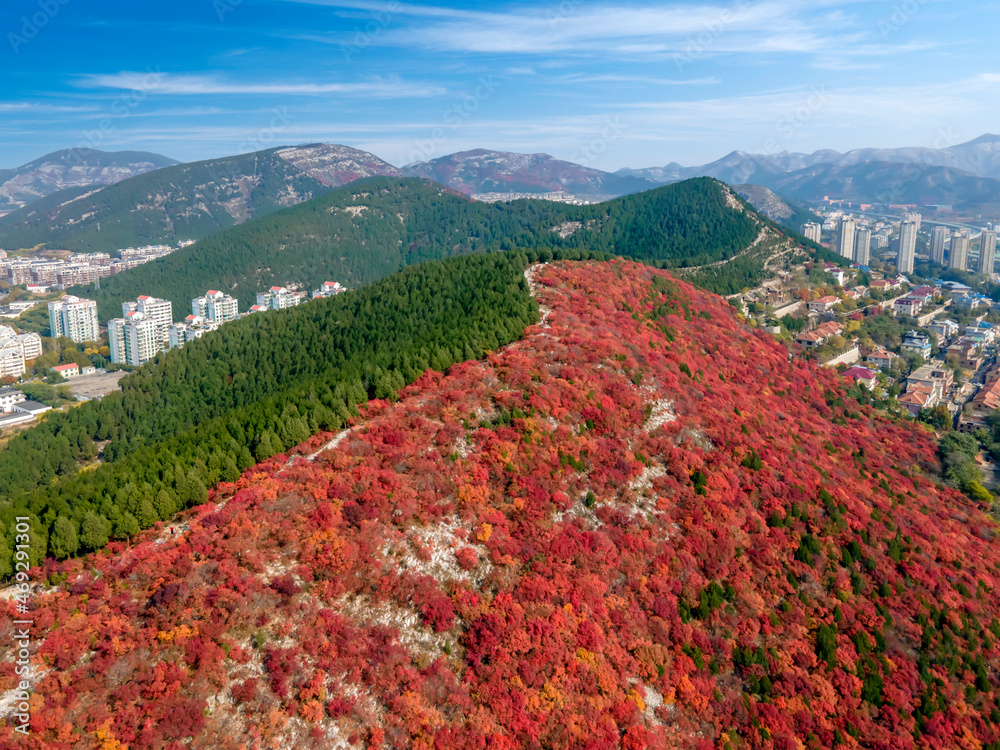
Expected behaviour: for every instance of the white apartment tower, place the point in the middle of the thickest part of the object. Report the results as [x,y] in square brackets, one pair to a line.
[134,339]
[74,318]
[216,307]
[915,218]
[812,231]
[160,311]
[988,252]
[862,246]
[959,250]
[939,237]
[907,246]
[845,242]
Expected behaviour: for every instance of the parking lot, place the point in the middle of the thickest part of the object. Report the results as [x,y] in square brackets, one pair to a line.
[95,386]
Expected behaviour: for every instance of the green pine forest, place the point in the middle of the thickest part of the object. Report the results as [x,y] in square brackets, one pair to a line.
[203,414]
[375,227]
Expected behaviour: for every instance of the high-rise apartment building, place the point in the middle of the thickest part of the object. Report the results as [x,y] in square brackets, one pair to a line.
[988,252]
[74,318]
[812,231]
[134,339]
[959,250]
[939,237]
[907,246]
[11,359]
[845,242]
[862,246]
[160,311]
[915,218]
[215,306]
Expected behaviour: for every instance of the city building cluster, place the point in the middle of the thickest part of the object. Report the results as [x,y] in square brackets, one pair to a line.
[854,239]
[560,197]
[17,351]
[40,275]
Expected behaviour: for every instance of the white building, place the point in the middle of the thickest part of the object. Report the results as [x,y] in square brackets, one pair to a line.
[862,246]
[11,359]
[279,298]
[9,397]
[329,289]
[812,231]
[74,318]
[988,252]
[907,246]
[134,339]
[939,237]
[193,327]
[845,241]
[959,250]
[160,311]
[216,307]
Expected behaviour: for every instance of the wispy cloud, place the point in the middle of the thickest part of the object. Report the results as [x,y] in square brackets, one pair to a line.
[201,85]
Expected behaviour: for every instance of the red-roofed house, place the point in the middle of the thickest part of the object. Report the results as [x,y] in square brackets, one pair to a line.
[881,359]
[67,371]
[863,376]
[824,304]
[907,307]
[914,401]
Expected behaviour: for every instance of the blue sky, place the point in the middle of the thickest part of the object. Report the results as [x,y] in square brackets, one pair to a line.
[629,84]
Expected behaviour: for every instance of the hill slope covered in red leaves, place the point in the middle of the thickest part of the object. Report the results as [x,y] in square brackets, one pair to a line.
[639,527]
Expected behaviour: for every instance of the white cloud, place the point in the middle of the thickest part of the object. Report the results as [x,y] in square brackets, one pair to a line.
[199,85]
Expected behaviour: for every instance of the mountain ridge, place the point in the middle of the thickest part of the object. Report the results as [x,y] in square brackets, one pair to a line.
[640,526]
[72,168]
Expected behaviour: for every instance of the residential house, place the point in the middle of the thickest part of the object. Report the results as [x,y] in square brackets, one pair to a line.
[906,307]
[968,352]
[881,359]
[329,289]
[819,336]
[9,397]
[914,341]
[944,329]
[983,404]
[931,379]
[915,400]
[862,376]
[824,304]
[67,371]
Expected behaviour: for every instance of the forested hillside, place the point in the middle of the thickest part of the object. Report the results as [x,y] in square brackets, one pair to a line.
[186,201]
[373,228]
[207,412]
[641,527]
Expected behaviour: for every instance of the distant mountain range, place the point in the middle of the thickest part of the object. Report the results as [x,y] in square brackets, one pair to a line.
[485,171]
[187,201]
[191,201]
[71,168]
[967,173]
